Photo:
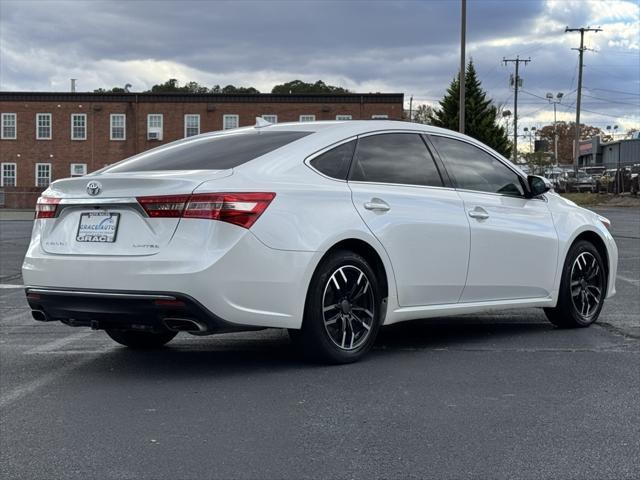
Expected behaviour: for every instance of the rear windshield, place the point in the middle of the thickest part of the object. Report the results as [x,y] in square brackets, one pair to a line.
[207,153]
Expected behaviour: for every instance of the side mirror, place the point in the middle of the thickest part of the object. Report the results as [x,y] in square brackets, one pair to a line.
[538,185]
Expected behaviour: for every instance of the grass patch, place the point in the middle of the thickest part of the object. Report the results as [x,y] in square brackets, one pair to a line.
[587,199]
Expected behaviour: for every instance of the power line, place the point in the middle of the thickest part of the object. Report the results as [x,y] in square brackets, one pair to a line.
[612,91]
[612,101]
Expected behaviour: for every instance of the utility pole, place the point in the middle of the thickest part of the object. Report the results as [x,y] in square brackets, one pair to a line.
[576,146]
[411,108]
[461,79]
[516,83]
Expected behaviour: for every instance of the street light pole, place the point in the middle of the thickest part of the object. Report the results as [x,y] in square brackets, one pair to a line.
[555,101]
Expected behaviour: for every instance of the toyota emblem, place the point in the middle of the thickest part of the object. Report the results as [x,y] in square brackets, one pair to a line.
[94,188]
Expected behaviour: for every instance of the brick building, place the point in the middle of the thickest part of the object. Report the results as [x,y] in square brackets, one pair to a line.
[46,136]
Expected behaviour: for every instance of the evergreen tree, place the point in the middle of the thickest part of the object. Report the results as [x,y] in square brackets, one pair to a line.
[481,115]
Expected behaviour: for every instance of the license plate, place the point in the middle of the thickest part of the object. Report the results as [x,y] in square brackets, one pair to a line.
[98,227]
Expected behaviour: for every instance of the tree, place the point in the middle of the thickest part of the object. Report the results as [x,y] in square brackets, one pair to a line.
[298,86]
[423,114]
[481,115]
[566,136]
[171,86]
[234,89]
[110,90]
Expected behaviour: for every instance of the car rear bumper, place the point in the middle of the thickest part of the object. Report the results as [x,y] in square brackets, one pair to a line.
[126,310]
[236,278]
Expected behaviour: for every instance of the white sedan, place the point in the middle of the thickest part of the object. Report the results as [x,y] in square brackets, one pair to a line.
[327,229]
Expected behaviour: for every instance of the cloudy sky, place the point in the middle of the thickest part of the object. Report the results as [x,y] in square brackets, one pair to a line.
[367,46]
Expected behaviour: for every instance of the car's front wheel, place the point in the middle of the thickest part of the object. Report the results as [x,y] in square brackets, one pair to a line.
[582,288]
[141,340]
[342,311]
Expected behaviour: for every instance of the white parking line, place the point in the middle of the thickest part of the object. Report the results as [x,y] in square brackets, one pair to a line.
[57,344]
[9,285]
[30,387]
[632,281]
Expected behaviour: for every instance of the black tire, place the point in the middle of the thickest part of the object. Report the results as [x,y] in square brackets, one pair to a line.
[320,338]
[579,285]
[141,340]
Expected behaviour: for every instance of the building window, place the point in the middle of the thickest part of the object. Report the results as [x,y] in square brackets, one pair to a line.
[344,117]
[43,126]
[43,174]
[8,175]
[78,169]
[118,130]
[307,118]
[379,117]
[191,125]
[230,121]
[270,118]
[8,126]
[78,126]
[154,126]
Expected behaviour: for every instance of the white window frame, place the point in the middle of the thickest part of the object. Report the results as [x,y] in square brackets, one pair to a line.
[84,126]
[37,177]
[46,115]
[74,174]
[307,118]
[274,118]
[344,117]
[230,117]
[155,128]
[124,126]
[3,176]
[15,126]
[380,116]
[186,117]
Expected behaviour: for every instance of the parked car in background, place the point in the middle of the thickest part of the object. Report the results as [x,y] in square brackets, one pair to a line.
[579,181]
[327,229]
[635,179]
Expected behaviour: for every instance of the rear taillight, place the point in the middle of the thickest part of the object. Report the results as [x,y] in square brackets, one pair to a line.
[46,207]
[242,209]
[164,206]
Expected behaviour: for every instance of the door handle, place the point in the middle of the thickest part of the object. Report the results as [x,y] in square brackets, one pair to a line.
[377,205]
[478,213]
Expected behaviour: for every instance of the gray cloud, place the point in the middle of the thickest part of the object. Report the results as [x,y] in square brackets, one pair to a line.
[411,47]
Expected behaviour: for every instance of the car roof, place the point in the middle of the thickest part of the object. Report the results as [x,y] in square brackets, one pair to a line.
[359,127]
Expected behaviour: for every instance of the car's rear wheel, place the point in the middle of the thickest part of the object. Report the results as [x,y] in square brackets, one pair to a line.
[342,311]
[582,288]
[141,340]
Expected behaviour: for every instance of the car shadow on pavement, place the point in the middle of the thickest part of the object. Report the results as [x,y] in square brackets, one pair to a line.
[270,351]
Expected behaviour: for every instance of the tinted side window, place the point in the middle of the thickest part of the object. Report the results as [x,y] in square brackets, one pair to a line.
[335,163]
[207,153]
[395,158]
[474,169]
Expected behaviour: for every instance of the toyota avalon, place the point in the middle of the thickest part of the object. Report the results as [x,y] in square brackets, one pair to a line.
[327,229]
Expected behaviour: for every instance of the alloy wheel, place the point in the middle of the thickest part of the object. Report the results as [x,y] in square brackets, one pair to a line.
[586,284]
[348,307]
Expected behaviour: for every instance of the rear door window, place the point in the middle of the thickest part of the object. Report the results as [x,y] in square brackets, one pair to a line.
[401,158]
[207,153]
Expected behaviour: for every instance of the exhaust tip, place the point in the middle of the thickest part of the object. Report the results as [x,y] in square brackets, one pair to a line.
[39,315]
[184,325]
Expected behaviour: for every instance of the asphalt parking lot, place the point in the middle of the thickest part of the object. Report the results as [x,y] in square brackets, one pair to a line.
[501,395]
